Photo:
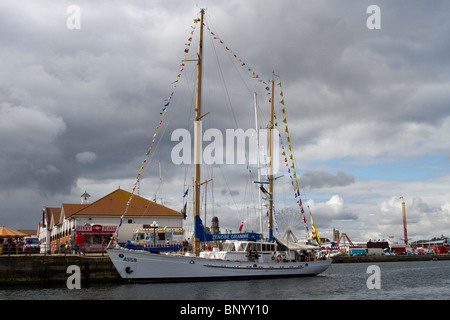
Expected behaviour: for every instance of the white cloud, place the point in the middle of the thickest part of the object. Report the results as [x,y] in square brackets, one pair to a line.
[327,212]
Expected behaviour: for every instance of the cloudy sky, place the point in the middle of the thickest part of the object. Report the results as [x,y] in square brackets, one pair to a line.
[368,109]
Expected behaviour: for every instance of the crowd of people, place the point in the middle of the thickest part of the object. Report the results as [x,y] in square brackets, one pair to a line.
[12,245]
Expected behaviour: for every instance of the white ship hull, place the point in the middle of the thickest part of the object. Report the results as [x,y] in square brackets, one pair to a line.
[140,266]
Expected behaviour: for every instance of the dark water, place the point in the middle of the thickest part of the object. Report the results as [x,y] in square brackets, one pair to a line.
[418,280]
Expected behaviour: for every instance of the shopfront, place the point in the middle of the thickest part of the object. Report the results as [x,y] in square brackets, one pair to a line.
[93,238]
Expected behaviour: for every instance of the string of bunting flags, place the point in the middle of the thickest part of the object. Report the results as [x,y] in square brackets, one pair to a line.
[289,159]
[235,56]
[164,108]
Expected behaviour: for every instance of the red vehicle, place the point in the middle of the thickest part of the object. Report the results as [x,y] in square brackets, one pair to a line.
[439,249]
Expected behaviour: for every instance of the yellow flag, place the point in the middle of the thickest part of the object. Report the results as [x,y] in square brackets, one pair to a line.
[315,232]
[282,102]
[284,120]
[282,110]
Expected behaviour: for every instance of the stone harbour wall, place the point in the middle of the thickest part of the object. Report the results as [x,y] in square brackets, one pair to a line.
[53,269]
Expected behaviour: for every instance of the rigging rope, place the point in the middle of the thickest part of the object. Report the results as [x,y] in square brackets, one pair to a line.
[162,114]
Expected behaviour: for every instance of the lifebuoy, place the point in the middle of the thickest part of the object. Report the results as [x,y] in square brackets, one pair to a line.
[273,258]
[278,258]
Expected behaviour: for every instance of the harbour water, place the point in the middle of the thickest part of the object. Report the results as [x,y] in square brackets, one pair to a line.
[413,280]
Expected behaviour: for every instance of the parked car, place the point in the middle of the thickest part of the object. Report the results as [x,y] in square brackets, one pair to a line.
[31,244]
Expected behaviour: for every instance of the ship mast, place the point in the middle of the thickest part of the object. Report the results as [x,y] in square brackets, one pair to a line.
[258,164]
[271,163]
[197,138]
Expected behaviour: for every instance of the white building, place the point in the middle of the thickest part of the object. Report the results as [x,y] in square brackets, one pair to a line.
[58,225]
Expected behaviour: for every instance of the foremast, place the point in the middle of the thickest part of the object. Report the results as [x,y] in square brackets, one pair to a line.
[197,137]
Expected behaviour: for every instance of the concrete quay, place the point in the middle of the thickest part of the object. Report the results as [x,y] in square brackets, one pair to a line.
[39,269]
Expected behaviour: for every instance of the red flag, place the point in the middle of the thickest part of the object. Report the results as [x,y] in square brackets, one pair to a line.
[240,228]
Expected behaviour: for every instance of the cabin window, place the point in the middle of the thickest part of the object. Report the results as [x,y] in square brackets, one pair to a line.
[254,246]
[242,247]
[138,236]
[227,246]
[161,236]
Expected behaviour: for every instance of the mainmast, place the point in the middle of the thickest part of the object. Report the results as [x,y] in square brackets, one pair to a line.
[197,138]
[271,163]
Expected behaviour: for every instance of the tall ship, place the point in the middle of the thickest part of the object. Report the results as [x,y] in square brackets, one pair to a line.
[230,256]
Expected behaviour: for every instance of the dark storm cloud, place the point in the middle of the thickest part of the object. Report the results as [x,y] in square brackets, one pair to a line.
[82,105]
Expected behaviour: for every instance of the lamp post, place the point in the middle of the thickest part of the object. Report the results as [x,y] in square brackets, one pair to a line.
[154,225]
